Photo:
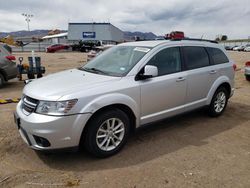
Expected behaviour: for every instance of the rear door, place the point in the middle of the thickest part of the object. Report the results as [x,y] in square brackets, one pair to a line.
[200,75]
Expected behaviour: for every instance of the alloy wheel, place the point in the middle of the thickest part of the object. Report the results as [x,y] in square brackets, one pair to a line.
[220,102]
[110,134]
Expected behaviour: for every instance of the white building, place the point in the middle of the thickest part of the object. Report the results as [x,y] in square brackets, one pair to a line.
[105,32]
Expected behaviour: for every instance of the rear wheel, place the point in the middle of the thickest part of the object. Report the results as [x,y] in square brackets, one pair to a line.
[107,133]
[219,102]
[2,80]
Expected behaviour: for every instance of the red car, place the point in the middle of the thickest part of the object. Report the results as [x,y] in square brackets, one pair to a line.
[56,47]
[175,35]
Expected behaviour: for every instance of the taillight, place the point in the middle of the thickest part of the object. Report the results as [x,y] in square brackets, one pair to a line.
[10,57]
[235,67]
[247,64]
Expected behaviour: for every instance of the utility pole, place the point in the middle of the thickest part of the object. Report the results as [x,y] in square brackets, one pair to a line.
[27,19]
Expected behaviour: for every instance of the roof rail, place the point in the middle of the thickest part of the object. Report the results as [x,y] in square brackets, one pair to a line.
[194,39]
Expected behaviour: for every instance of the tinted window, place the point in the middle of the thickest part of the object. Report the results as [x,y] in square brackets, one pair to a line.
[167,61]
[217,56]
[196,57]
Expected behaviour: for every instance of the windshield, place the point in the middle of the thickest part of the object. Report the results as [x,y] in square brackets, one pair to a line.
[116,61]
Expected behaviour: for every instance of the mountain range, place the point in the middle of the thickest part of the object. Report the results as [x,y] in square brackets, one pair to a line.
[40,33]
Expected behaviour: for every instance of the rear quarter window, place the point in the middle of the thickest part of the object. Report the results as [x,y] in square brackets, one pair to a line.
[217,55]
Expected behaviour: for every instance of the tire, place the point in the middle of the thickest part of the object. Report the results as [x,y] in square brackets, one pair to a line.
[30,76]
[39,75]
[2,80]
[109,142]
[247,77]
[219,102]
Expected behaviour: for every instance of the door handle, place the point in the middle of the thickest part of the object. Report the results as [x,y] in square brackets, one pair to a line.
[212,72]
[180,79]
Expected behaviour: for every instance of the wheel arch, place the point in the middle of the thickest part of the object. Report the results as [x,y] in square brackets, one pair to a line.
[126,109]
[223,81]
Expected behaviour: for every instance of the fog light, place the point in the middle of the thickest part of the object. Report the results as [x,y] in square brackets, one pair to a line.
[41,141]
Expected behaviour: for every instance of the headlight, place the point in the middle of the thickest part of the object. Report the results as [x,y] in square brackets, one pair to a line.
[55,108]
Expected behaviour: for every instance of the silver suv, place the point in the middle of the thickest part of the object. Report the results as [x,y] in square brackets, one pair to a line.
[127,86]
[8,69]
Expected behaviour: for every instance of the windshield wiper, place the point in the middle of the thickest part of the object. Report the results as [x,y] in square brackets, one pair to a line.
[93,70]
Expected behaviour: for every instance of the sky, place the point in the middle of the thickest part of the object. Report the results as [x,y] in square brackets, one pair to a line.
[197,18]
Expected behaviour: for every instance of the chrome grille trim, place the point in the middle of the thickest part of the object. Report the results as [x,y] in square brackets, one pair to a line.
[29,104]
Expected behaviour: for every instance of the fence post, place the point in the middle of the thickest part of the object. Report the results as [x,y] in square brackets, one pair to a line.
[39,46]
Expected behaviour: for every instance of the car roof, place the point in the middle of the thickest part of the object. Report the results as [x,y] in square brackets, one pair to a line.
[154,43]
[151,43]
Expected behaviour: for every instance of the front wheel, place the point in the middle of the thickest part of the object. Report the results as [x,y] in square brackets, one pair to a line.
[107,133]
[219,102]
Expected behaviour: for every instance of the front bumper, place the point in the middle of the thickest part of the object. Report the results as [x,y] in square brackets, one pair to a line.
[60,131]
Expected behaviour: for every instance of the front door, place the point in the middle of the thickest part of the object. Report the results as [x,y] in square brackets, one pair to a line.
[163,95]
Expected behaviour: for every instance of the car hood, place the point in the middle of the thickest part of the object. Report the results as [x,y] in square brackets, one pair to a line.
[54,86]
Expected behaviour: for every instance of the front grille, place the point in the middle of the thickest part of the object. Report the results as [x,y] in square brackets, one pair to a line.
[29,104]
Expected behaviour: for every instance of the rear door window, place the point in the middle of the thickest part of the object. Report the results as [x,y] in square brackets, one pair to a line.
[217,55]
[195,57]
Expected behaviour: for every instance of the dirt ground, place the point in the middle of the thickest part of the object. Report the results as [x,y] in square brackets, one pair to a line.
[193,150]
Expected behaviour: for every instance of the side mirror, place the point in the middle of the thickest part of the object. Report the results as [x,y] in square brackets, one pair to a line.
[149,72]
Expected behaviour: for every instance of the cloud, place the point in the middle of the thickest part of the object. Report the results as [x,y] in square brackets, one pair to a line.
[194,17]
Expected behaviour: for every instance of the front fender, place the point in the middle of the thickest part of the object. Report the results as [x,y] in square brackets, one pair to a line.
[216,84]
[112,99]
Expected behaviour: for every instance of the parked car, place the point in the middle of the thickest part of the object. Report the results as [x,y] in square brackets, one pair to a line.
[247,49]
[247,46]
[247,70]
[239,48]
[227,47]
[57,47]
[175,35]
[129,85]
[8,69]
[232,47]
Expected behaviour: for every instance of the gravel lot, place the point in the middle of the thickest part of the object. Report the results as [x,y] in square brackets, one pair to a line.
[186,151]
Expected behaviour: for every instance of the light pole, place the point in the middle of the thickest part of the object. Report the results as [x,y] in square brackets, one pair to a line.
[27,19]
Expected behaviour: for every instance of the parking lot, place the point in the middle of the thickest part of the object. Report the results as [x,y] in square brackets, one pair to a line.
[192,150]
